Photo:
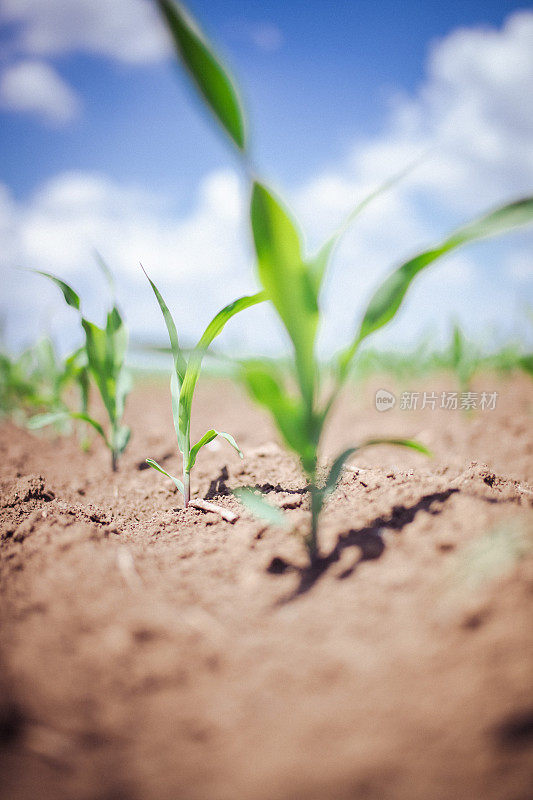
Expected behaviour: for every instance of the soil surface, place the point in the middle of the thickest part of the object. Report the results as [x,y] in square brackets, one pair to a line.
[153,653]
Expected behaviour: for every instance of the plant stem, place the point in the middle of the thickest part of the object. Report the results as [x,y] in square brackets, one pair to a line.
[316,505]
[114,460]
[186,475]
[186,488]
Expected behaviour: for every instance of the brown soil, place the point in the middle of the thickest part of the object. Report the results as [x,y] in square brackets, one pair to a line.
[152,653]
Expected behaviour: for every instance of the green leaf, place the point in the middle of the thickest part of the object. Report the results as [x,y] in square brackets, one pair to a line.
[335,471]
[214,328]
[96,342]
[108,275]
[388,298]
[175,399]
[90,421]
[176,481]
[338,465]
[318,265]
[124,386]
[71,298]
[121,439]
[410,443]
[39,421]
[180,365]
[259,507]
[287,280]
[264,384]
[210,77]
[206,438]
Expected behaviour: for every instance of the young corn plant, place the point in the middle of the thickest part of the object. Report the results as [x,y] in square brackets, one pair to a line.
[184,377]
[104,355]
[292,282]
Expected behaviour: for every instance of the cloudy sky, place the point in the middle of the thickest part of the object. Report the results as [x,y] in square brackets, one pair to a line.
[103,145]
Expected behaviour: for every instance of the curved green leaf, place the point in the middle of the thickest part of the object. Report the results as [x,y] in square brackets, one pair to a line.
[176,481]
[388,298]
[98,355]
[106,272]
[287,280]
[318,265]
[175,400]
[336,468]
[71,298]
[265,386]
[212,80]
[214,328]
[206,438]
[335,471]
[180,364]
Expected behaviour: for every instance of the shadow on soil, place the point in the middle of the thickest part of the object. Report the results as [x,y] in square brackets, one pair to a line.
[369,540]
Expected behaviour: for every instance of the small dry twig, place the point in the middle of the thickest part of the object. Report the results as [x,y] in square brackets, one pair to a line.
[225,513]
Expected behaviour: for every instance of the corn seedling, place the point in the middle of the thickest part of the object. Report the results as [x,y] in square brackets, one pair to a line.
[292,282]
[38,380]
[184,377]
[104,351]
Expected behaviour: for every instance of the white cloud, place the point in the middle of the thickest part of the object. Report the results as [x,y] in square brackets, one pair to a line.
[36,88]
[472,105]
[126,30]
[76,212]
[200,259]
[473,121]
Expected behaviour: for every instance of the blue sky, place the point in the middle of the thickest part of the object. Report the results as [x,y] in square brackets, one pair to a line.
[104,145]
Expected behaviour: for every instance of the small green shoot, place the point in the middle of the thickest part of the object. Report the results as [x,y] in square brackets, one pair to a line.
[105,351]
[184,377]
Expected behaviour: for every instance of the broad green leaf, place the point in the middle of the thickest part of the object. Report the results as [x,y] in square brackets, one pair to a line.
[96,342]
[175,399]
[214,328]
[388,298]
[176,481]
[287,280]
[71,298]
[210,77]
[180,364]
[265,386]
[206,438]
[259,507]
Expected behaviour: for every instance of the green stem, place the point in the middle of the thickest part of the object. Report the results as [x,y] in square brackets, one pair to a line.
[186,487]
[316,505]
[114,451]
[186,474]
